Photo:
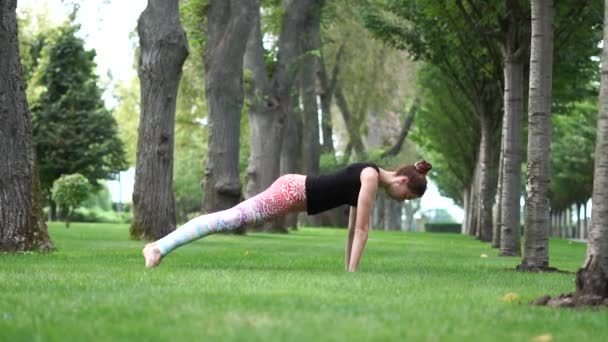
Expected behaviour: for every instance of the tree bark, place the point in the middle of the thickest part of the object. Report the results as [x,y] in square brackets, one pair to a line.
[228,26]
[536,247]
[270,99]
[496,231]
[310,43]
[164,49]
[485,194]
[466,204]
[291,153]
[327,86]
[22,226]
[592,279]
[511,176]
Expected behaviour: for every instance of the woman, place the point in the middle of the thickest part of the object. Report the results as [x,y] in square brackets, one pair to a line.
[355,185]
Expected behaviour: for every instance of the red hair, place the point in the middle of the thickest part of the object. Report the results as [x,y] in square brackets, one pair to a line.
[417,176]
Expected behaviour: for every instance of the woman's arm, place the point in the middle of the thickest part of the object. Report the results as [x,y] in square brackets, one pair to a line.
[365,202]
[351,234]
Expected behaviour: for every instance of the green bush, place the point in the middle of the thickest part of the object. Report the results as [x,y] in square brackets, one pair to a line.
[442,227]
[102,216]
[70,191]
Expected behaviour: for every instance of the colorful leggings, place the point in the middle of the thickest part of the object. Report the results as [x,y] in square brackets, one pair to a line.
[285,195]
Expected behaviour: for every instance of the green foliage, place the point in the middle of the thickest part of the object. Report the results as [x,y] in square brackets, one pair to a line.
[275,287]
[101,216]
[127,116]
[193,15]
[72,130]
[447,130]
[70,191]
[572,155]
[100,199]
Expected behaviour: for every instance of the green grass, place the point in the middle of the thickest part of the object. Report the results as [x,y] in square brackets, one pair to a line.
[264,287]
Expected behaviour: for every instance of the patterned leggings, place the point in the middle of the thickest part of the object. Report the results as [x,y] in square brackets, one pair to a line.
[286,194]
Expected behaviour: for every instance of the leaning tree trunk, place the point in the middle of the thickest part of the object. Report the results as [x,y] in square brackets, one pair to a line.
[270,99]
[164,49]
[592,279]
[536,247]
[511,175]
[22,226]
[228,26]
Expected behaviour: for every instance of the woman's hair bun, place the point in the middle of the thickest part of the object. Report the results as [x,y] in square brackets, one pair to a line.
[423,166]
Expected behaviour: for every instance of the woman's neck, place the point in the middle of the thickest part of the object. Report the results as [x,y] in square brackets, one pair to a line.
[386,178]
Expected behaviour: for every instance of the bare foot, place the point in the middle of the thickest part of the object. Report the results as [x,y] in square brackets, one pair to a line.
[152,255]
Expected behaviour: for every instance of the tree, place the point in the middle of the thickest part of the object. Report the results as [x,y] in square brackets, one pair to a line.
[70,191]
[269,97]
[164,49]
[536,234]
[72,130]
[22,226]
[430,32]
[592,278]
[228,26]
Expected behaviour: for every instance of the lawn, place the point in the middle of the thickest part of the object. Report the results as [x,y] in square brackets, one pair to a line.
[265,287]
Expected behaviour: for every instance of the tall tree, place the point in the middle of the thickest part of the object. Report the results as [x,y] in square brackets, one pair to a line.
[22,225]
[310,43]
[164,49]
[228,26]
[592,279]
[72,130]
[536,246]
[470,61]
[269,96]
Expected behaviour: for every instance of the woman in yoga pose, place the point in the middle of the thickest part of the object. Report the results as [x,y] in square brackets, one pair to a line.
[355,185]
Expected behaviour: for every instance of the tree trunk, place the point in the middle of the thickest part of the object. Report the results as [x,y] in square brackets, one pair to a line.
[270,100]
[164,49]
[578,218]
[511,178]
[291,153]
[22,226]
[536,247]
[309,40]
[228,26]
[466,204]
[592,279]
[410,207]
[485,193]
[496,231]
[392,215]
[327,86]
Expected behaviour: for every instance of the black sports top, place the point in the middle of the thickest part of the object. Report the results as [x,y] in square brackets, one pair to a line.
[340,187]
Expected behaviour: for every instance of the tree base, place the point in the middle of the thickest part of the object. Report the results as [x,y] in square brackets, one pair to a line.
[591,290]
[537,269]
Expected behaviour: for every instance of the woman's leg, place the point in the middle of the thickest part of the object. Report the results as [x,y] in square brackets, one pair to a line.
[286,194]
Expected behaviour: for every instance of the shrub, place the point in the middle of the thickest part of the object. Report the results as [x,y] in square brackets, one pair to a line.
[70,191]
[442,227]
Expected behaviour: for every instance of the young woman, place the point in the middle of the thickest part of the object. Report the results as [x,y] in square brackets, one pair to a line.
[355,185]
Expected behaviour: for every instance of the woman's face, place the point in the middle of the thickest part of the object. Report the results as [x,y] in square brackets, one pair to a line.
[400,191]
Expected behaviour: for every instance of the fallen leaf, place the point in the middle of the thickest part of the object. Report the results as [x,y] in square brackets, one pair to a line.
[543,338]
[510,297]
